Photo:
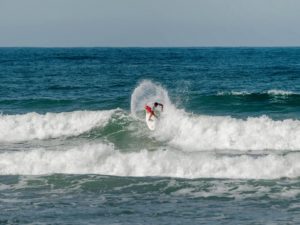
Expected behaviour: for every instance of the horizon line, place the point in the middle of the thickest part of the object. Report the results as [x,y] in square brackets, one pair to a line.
[208,46]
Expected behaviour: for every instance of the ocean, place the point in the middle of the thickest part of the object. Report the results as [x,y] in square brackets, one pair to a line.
[75,148]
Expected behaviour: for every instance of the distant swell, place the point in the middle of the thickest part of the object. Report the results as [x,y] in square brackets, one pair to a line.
[50,125]
[104,159]
[269,92]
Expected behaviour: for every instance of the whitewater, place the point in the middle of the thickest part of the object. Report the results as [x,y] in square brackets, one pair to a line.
[104,159]
[184,145]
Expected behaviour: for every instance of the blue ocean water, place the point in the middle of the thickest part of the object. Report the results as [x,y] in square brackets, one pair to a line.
[75,149]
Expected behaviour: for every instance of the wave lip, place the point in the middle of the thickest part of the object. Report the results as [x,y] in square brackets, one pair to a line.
[106,160]
[14,128]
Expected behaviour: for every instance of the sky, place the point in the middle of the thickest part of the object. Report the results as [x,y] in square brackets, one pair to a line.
[149,23]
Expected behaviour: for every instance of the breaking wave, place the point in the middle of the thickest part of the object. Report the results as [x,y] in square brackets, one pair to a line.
[31,126]
[184,144]
[105,159]
[192,132]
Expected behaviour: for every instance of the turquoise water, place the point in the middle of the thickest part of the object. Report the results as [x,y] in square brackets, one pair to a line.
[74,147]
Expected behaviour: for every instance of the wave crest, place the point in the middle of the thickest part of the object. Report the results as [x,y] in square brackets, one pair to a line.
[31,126]
[201,133]
[104,159]
[269,92]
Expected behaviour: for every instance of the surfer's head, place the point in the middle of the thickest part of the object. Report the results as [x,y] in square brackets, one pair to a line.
[155,104]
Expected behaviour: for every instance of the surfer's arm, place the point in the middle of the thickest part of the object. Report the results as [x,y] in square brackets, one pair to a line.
[162,106]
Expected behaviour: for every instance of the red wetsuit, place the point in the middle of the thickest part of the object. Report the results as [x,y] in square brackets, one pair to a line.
[148,109]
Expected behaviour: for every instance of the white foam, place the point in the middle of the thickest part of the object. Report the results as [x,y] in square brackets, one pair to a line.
[270,92]
[191,132]
[279,92]
[200,133]
[104,159]
[50,125]
[234,93]
[288,193]
[239,190]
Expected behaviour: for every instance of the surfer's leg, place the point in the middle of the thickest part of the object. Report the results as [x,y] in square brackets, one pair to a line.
[152,114]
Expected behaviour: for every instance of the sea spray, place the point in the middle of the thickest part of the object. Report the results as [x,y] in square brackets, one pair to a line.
[147,92]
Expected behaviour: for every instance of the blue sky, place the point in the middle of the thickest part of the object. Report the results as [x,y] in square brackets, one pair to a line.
[71,23]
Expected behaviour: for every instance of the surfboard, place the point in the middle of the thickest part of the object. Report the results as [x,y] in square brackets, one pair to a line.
[151,123]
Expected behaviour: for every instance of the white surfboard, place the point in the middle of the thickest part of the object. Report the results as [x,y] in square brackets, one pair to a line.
[151,123]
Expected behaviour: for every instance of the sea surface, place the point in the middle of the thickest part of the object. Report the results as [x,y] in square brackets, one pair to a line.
[75,148]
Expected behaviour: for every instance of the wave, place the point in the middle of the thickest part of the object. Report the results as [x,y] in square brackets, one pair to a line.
[191,132]
[14,128]
[106,160]
[281,92]
[184,144]
[200,133]
[268,92]
[221,93]
[176,129]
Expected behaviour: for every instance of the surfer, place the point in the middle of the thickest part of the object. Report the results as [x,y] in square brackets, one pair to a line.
[151,110]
